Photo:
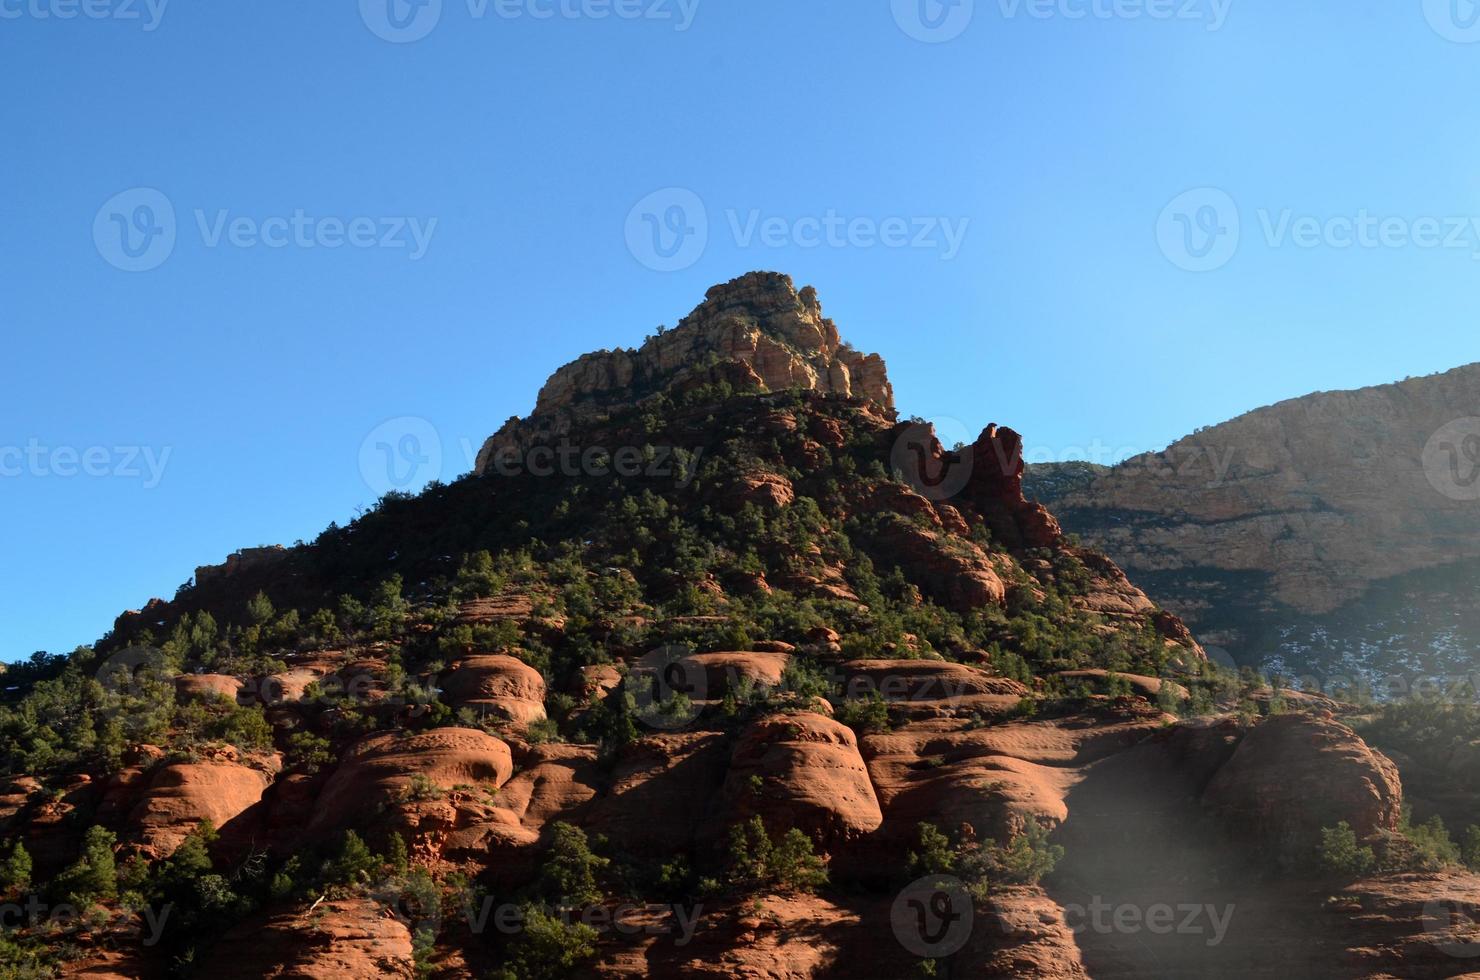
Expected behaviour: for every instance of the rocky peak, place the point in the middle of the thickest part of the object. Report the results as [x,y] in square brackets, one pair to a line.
[759,330]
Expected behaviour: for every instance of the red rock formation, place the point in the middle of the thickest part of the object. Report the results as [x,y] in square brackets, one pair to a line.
[811,777]
[1295,774]
[503,685]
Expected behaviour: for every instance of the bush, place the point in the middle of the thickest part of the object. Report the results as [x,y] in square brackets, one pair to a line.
[1028,857]
[568,878]
[1340,854]
[15,872]
[353,864]
[864,715]
[547,948]
[94,876]
[757,861]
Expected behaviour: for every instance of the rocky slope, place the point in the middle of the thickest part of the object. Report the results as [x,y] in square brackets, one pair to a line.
[1290,513]
[800,693]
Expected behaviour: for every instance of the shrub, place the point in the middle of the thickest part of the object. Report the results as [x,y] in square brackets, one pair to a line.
[864,715]
[1340,854]
[94,876]
[308,751]
[756,860]
[1470,848]
[15,871]
[353,864]
[568,877]
[547,948]
[1027,858]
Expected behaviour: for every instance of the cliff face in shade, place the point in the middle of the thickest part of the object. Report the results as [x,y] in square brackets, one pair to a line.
[1296,509]
[758,324]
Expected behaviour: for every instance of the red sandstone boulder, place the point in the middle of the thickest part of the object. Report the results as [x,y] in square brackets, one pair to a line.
[341,939]
[180,796]
[1295,774]
[206,687]
[811,777]
[503,685]
[379,769]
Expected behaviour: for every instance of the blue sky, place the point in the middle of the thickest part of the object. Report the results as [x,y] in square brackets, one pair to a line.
[1007,182]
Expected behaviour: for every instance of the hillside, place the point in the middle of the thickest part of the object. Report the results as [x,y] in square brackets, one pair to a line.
[714,667]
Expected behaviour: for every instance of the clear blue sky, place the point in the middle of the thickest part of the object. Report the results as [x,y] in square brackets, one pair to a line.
[1067,310]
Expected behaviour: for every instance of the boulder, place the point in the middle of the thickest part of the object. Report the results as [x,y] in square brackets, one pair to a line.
[811,776]
[503,685]
[1295,774]
[181,795]
[379,769]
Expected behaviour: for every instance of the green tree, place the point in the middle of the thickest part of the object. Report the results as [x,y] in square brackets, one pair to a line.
[353,864]
[548,948]
[568,877]
[758,861]
[15,872]
[94,876]
[259,609]
[1340,854]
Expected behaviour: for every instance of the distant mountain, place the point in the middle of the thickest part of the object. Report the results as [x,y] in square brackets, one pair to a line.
[1275,533]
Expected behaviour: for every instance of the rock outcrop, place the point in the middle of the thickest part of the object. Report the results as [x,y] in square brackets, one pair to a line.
[1292,510]
[803,770]
[760,322]
[1296,774]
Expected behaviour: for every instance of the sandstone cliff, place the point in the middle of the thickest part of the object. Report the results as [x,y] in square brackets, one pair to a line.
[1293,510]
